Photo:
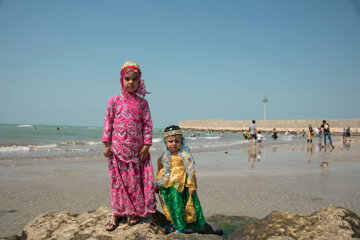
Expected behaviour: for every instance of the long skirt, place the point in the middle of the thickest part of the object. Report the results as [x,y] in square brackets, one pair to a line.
[131,187]
[176,202]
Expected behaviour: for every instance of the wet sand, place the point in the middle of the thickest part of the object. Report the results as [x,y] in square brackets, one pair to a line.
[285,178]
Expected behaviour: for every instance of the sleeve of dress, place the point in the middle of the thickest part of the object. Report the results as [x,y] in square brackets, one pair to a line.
[108,122]
[148,125]
[191,182]
[160,168]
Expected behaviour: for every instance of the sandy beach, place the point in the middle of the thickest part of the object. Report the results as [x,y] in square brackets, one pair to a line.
[285,177]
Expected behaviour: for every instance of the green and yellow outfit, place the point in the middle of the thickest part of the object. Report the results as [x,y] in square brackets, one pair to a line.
[180,208]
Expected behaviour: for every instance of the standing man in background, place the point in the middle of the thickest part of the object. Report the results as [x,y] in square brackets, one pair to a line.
[326,129]
[252,130]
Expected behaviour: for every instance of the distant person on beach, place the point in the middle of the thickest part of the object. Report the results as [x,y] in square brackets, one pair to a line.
[348,134]
[317,132]
[274,134]
[252,131]
[259,139]
[245,135]
[176,184]
[127,137]
[326,129]
[310,135]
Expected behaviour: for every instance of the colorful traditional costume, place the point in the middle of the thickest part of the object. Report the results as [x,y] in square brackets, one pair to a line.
[176,174]
[127,128]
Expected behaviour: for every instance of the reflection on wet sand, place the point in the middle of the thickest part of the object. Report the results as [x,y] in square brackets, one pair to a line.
[346,145]
[254,155]
[309,152]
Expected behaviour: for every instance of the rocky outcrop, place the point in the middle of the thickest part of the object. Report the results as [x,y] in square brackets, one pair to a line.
[90,225]
[328,223]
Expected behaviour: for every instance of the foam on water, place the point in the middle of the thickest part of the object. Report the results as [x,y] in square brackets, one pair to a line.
[157,140]
[27,148]
[15,149]
[24,126]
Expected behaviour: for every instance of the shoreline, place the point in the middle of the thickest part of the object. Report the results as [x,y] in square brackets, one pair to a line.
[286,178]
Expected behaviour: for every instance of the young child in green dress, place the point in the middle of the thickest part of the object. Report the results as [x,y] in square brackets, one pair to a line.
[176,184]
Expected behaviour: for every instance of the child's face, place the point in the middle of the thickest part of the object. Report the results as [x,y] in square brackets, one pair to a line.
[131,82]
[173,143]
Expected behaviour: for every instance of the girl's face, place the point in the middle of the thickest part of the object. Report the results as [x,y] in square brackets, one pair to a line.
[173,143]
[131,82]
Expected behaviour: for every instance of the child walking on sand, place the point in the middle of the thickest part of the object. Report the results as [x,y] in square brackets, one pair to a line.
[176,184]
[127,137]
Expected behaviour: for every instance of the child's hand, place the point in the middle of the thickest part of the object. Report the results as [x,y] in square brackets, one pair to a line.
[191,191]
[144,153]
[107,152]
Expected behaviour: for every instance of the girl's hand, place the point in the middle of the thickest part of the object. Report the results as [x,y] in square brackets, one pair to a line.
[107,151]
[191,191]
[144,153]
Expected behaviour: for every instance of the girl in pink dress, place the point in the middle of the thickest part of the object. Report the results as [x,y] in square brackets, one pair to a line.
[127,137]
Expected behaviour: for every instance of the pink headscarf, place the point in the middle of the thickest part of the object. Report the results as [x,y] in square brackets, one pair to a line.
[134,102]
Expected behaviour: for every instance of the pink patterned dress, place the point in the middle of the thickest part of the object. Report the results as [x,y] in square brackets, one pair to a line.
[127,129]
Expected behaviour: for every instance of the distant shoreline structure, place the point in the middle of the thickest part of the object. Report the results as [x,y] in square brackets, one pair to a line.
[336,125]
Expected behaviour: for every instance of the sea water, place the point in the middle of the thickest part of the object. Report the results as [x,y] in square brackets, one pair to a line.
[21,142]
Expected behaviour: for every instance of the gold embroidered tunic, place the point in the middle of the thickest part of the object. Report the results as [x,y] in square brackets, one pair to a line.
[177,176]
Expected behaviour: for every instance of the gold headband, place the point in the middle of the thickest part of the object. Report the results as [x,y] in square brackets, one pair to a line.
[172,133]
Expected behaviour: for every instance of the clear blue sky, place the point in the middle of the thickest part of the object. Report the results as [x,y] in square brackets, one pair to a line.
[60,60]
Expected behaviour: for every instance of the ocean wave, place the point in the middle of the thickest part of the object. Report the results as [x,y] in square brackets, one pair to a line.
[216,137]
[24,126]
[218,144]
[29,148]
[156,140]
[191,138]
[83,143]
[76,150]
[43,148]
[15,149]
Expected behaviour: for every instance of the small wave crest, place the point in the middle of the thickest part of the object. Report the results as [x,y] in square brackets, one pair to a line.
[72,143]
[24,126]
[15,149]
[34,148]
[216,137]
[156,140]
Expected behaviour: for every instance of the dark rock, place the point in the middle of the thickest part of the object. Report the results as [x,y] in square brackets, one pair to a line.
[328,223]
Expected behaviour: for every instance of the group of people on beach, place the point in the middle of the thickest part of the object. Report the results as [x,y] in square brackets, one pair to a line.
[253,134]
[127,136]
[319,132]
